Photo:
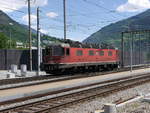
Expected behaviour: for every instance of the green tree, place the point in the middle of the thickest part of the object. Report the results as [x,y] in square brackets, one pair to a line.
[14,44]
[3,41]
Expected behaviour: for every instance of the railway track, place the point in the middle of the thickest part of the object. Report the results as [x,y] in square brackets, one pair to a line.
[29,81]
[50,104]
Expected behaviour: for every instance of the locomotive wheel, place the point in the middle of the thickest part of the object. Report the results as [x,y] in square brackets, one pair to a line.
[56,72]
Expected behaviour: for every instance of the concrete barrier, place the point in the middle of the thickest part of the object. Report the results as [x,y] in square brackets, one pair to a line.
[110,108]
[23,70]
[146,100]
[11,75]
[14,68]
[99,111]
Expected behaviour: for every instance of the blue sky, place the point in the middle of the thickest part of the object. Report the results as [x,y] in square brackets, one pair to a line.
[84,17]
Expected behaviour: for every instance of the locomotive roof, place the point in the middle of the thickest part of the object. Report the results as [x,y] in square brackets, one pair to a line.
[59,44]
[87,45]
[81,45]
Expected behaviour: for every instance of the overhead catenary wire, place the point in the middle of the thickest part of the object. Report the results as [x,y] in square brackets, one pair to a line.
[102,7]
[14,9]
[97,24]
[78,25]
[5,6]
[111,11]
[71,25]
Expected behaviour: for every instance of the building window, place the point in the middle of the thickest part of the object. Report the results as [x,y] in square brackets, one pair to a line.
[67,52]
[109,53]
[101,53]
[79,53]
[91,53]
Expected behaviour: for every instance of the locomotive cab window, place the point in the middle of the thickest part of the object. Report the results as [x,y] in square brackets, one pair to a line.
[109,53]
[79,53]
[48,51]
[57,51]
[91,53]
[101,53]
[67,52]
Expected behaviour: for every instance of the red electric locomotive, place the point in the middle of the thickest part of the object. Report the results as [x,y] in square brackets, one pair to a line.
[61,58]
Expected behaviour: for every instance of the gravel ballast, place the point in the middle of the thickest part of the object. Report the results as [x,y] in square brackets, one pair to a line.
[98,103]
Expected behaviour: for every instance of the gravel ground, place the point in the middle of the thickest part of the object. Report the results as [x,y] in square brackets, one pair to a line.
[135,107]
[97,104]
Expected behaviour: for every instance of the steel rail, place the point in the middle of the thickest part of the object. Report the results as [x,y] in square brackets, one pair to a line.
[66,100]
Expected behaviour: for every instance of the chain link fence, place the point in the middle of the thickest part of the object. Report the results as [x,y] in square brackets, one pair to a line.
[135,48]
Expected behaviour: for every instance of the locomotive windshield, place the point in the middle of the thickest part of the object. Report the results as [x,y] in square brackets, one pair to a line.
[55,51]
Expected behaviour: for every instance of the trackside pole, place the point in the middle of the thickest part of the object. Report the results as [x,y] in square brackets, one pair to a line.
[131,53]
[38,42]
[30,34]
[65,26]
[122,50]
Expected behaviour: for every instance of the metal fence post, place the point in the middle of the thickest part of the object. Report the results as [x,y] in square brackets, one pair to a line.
[131,50]
[122,50]
[6,60]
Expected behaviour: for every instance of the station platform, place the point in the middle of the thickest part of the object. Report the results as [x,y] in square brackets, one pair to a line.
[15,93]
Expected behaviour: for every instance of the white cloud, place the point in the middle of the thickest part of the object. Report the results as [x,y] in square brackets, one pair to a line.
[34,27]
[134,5]
[39,3]
[75,38]
[52,14]
[33,18]
[33,22]
[43,31]
[18,4]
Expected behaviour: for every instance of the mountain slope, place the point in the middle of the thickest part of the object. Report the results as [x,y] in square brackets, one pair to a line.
[112,32]
[18,31]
